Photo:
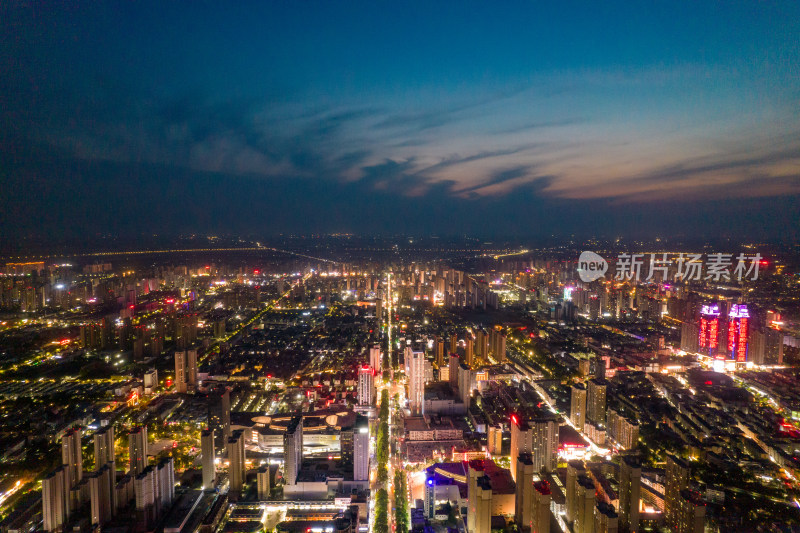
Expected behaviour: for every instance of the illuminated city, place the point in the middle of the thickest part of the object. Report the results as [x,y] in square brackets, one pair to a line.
[314,268]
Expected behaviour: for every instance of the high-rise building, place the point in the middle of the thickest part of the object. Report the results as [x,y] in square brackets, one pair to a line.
[605,519]
[416,381]
[482,345]
[475,470]
[165,476]
[236,459]
[208,459]
[104,447]
[540,512]
[577,412]
[293,450]
[137,449]
[596,401]
[709,334]
[366,386]
[677,479]
[466,381]
[150,381]
[375,358]
[691,512]
[738,332]
[524,491]
[453,343]
[584,505]
[454,364]
[181,385]
[469,351]
[219,413]
[185,371]
[483,505]
[544,443]
[630,480]
[54,499]
[101,494]
[574,470]
[262,482]
[71,455]
[497,344]
[521,441]
[439,352]
[361,449]
[145,486]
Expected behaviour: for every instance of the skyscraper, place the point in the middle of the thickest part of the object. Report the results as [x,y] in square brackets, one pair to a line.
[293,450]
[366,386]
[361,449]
[524,491]
[137,449]
[475,470]
[454,364]
[469,351]
[236,459]
[577,412]
[596,401]
[439,352]
[630,480]
[738,332]
[207,449]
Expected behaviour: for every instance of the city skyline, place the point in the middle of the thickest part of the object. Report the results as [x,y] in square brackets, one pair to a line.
[532,121]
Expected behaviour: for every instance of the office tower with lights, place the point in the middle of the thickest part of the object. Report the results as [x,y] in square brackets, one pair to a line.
[293,450]
[208,459]
[577,412]
[523,497]
[361,449]
[709,334]
[630,481]
[236,461]
[366,386]
[137,449]
[738,332]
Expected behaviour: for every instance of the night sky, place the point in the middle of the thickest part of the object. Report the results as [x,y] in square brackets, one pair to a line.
[498,119]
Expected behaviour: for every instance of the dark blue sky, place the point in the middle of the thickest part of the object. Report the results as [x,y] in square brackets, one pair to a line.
[647,118]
